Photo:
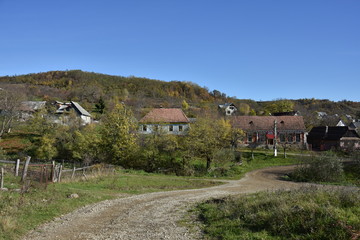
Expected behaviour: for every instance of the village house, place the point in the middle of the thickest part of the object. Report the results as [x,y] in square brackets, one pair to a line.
[64,109]
[228,108]
[261,129]
[166,120]
[355,125]
[327,138]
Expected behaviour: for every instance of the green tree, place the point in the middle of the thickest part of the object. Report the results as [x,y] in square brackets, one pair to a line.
[100,106]
[85,144]
[207,136]
[184,105]
[118,135]
[280,106]
[46,147]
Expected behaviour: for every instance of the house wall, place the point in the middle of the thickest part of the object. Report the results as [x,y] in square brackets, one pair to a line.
[230,110]
[85,119]
[177,129]
[291,137]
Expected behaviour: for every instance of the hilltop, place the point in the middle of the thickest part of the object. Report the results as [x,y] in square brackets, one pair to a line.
[89,88]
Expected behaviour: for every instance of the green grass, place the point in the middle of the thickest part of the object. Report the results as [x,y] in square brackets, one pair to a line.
[20,213]
[261,160]
[352,174]
[307,213]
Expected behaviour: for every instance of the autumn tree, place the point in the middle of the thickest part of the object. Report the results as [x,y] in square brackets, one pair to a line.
[280,106]
[207,136]
[118,135]
[85,144]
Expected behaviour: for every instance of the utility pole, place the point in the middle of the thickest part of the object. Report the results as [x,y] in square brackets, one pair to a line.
[275,138]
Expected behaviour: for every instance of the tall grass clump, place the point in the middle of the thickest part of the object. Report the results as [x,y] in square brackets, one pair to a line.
[326,167]
[306,214]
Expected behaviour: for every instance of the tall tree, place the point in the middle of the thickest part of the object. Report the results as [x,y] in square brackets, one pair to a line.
[207,136]
[118,135]
[9,108]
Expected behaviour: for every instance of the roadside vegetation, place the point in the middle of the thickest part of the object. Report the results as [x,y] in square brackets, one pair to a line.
[328,168]
[22,211]
[314,212]
[307,213]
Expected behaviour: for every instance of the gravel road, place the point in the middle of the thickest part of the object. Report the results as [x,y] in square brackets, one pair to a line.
[153,215]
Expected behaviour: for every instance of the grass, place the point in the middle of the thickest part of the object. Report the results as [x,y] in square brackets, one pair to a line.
[261,160]
[308,213]
[21,212]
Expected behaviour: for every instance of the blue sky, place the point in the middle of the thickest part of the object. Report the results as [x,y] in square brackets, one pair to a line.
[254,49]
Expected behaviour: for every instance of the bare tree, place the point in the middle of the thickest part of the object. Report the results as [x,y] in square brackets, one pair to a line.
[9,109]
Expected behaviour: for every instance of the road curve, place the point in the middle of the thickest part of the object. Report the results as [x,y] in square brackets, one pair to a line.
[153,215]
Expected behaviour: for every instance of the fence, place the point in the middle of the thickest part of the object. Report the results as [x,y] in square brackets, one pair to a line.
[47,173]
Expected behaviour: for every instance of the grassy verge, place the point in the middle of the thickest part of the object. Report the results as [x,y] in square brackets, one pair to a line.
[21,212]
[261,160]
[307,213]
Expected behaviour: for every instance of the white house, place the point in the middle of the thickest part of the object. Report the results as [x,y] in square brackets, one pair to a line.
[228,108]
[65,108]
[166,120]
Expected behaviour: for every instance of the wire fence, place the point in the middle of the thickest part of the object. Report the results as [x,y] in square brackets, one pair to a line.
[51,173]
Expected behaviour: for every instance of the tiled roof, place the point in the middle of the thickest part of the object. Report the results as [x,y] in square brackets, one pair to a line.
[165,115]
[257,123]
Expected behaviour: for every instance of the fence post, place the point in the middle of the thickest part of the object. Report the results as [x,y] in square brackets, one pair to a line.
[25,168]
[53,171]
[60,170]
[73,173]
[2,179]
[17,167]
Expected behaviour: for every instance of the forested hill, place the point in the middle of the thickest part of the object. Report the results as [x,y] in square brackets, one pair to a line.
[89,88]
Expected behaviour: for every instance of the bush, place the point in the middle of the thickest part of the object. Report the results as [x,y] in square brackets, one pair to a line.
[307,213]
[319,168]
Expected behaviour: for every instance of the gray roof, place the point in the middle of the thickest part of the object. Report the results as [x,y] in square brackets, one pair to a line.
[355,125]
[225,105]
[80,109]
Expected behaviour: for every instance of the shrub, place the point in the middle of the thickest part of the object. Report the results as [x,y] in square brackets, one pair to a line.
[319,168]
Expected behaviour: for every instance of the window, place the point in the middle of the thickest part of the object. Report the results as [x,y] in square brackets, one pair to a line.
[171,128]
[282,137]
[298,137]
[144,128]
[290,137]
[261,137]
[180,128]
[250,137]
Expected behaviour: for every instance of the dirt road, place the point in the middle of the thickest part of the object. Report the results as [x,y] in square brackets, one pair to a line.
[154,215]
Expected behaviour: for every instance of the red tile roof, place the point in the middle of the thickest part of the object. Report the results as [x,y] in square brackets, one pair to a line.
[165,115]
[256,123]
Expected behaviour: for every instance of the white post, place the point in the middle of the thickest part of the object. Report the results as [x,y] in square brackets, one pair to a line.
[275,139]
[17,167]
[25,168]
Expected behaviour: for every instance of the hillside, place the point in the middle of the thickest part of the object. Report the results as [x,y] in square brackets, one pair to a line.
[138,93]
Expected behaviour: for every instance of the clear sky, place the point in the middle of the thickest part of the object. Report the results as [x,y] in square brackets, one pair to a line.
[254,49]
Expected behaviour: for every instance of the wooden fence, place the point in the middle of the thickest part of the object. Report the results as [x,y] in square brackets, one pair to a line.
[47,173]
